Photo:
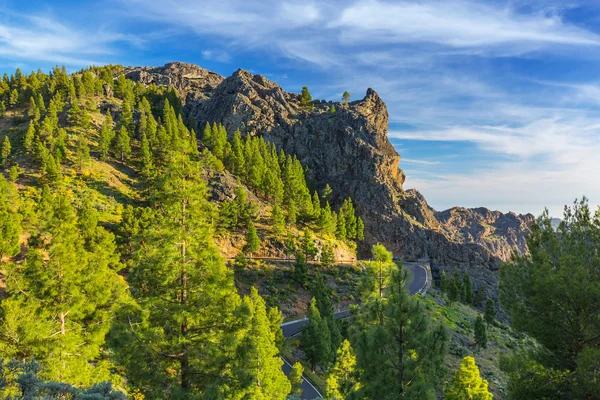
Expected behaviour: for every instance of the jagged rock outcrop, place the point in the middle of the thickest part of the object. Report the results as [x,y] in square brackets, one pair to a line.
[348,149]
[190,81]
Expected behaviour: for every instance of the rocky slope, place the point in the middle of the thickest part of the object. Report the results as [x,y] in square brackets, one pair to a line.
[348,149]
[187,79]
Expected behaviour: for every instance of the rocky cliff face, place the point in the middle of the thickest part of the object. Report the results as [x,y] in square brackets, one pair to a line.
[349,150]
[190,81]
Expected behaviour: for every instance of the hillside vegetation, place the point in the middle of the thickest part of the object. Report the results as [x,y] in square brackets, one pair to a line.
[141,259]
[112,213]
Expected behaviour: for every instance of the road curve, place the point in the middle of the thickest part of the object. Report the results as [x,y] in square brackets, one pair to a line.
[309,392]
[292,328]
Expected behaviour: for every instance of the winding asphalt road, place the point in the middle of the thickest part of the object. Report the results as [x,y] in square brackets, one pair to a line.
[292,328]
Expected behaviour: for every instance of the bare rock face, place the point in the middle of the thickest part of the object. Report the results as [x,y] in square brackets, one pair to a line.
[349,150]
[500,233]
[190,81]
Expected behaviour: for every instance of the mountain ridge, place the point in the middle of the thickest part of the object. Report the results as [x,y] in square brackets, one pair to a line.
[349,150]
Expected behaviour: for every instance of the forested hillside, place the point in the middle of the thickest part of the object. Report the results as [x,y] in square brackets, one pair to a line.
[142,259]
[112,210]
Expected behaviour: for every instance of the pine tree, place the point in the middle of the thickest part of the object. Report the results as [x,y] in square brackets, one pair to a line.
[468,288]
[237,150]
[343,377]
[467,383]
[444,282]
[360,229]
[182,286]
[2,109]
[75,113]
[60,146]
[332,109]
[292,213]
[257,368]
[85,120]
[460,286]
[480,332]
[316,206]
[296,378]
[51,169]
[30,135]
[146,156]
[490,310]
[14,172]
[326,194]
[219,140]
[10,220]
[32,111]
[551,294]
[327,256]
[346,97]
[382,261]
[62,299]
[123,144]
[252,240]
[289,247]
[121,86]
[39,101]
[340,232]
[276,319]
[401,355]
[454,288]
[308,245]
[349,218]
[300,269]
[107,134]
[278,220]
[306,98]
[5,152]
[207,136]
[323,296]
[13,98]
[126,119]
[316,341]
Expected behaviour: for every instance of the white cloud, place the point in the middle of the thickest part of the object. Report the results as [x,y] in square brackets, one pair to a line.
[430,60]
[427,59]
[40,38]
[518,187]
[454,23]
[553,161]
[419,162]
[564,141]
[336,28]
[216,55]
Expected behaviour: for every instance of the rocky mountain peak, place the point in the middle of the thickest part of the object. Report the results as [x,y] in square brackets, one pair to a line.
[189,80]
[349,150]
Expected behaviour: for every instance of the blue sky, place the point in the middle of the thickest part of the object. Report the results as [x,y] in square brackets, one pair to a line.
[491,103]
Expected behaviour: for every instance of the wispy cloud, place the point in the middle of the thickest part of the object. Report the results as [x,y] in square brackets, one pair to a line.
[217,55]
[308,29]
[552,161]
[427,59]
[420,162]
[565,141]
[455,23]
[42,38]
[448,69]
